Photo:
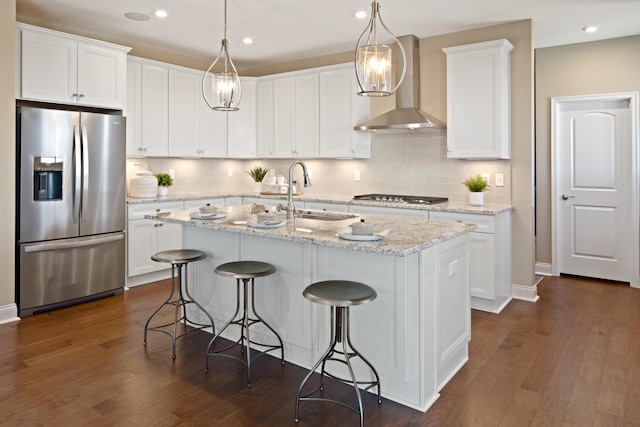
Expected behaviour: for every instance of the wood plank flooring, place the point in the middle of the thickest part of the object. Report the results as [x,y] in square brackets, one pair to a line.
[571,359]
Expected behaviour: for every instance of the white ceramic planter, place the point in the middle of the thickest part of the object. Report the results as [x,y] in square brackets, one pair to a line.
[476,198]
[257,187]
[162,191]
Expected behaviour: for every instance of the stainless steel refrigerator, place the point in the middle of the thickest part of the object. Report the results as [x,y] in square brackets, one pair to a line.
[71,207]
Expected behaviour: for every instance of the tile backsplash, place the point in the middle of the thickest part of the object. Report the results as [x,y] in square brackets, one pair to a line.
[413,164]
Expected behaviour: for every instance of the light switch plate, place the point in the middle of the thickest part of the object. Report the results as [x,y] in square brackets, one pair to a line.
[499,180]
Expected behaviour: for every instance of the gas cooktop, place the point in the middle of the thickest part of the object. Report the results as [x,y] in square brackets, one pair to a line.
[395,198]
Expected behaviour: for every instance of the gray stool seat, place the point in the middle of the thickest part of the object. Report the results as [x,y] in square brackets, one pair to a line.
[245,272]
[340,295]
[178,258]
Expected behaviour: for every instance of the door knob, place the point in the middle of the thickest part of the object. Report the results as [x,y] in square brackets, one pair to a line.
[565,197]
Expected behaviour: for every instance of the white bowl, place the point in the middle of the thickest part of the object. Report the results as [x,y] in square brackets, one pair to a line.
[208,209]
[361,228]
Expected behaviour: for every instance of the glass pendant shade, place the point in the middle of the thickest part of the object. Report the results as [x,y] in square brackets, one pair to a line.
[223,77]
[373,60]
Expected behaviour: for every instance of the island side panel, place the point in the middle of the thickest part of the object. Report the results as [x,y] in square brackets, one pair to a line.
[386,330]
[452,308]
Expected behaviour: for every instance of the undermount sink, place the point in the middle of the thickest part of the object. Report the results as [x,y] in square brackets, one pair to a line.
[324,215]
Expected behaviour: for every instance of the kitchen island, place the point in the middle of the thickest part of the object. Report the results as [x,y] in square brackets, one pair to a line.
[415,333]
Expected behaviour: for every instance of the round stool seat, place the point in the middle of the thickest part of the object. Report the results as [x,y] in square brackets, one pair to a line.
[339,293]
[245,269]
[179,256]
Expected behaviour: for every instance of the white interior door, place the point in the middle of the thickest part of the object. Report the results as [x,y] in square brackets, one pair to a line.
[595,232]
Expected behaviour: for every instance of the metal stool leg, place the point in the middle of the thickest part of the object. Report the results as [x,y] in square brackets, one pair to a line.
[339,335]
[245,321]
[179,304]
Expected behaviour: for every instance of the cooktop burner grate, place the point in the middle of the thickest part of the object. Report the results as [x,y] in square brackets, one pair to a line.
[396,198]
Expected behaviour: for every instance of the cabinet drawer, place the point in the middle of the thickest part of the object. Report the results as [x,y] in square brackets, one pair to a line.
[138,211]
[485,223]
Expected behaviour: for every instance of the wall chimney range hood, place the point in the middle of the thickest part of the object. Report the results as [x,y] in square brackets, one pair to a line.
[407,116]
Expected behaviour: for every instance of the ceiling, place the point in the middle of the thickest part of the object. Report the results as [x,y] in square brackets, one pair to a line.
[285,30]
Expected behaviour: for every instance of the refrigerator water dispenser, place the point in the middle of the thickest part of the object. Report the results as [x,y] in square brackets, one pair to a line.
[47,179]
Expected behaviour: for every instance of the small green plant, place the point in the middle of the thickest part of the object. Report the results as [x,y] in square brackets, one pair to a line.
[257,173]
[476,183]
[164,179]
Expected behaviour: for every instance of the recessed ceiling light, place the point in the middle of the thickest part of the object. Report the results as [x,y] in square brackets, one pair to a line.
[361,14]
[135,16]
[161,13]
[590,29]
[247,40]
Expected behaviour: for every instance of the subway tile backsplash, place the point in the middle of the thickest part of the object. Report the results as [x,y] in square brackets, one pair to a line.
[414,164]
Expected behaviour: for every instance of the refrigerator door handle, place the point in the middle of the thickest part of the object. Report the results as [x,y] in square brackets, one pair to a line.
[54,246]
[85,171]
[77,173]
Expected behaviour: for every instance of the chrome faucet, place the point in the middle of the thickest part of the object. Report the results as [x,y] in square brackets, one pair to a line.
[307,183]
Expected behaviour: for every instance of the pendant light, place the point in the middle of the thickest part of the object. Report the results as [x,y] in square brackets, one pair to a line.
[225,80]
[373,59]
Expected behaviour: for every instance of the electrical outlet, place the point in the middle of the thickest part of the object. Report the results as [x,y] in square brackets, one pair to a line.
[499,180]
[230,172]
[357,176]
[172,173]
[487,177]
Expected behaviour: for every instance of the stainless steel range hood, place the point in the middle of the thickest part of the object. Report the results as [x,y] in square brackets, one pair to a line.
[407,116]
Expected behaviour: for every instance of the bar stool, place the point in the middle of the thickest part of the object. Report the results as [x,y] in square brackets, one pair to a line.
[339,295]
[245,271]
[178,258]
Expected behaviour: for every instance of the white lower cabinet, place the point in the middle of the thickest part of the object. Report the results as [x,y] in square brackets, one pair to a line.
[489,258]
[146,237]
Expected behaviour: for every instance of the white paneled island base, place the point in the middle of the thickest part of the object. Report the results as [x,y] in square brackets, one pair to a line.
[415,332]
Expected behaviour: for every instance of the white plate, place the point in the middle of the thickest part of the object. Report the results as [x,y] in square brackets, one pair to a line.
[268,224]
[198,215]
[348,235]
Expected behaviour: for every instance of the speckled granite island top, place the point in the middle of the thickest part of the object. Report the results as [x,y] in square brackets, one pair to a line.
[407,235]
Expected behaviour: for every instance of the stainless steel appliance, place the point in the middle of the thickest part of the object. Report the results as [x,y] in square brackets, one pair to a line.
[70,218]
[395,198]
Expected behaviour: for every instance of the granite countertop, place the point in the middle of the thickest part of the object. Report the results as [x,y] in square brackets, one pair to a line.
[487,209]
[407,235]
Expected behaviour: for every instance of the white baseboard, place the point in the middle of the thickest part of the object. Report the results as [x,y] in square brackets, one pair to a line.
[525,293]
[9,313]
[543,269]
[143,279]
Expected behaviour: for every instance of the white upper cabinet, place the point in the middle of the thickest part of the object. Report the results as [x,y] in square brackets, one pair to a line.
[57,67]
[311,114]
[478,100]
[213,124]
[241,124]
[340,110]
[184,113]
[264,119]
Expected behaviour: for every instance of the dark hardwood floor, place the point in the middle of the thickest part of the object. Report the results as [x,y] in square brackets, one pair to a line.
[571,359]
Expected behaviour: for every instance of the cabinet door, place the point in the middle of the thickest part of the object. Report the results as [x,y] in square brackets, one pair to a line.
[213,125]
[133,110]
[481,265]
[284,117]
[264,119]
[49,67]
[184,117]
[306,143]
[478,100]
[142,243]
[155,100]
[241,124]
[101,76]
[169,237]
[340,109]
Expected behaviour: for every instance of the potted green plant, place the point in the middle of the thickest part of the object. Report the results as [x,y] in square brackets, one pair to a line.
[257,173]
[476,185]
[164,182]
